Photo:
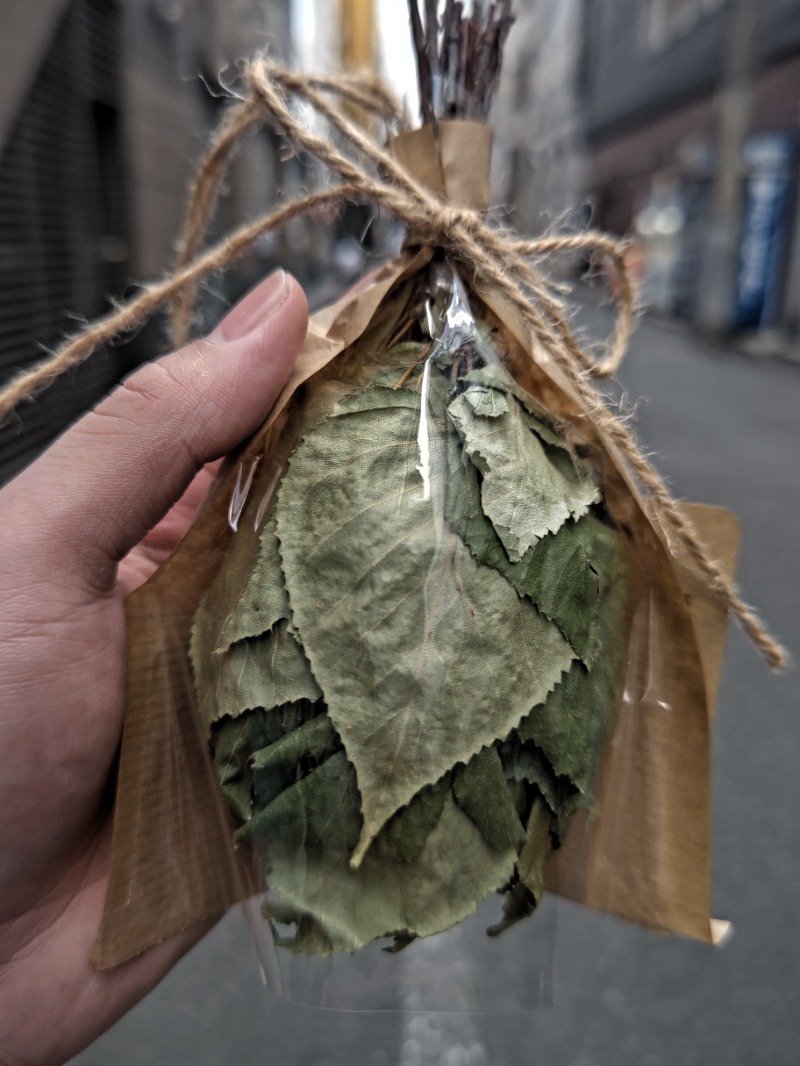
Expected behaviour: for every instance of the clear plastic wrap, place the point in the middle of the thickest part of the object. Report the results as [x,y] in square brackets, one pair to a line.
[425,656]
[372,693]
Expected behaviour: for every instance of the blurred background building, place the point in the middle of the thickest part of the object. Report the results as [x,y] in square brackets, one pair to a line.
[672,121]
[692,112]
[104,108]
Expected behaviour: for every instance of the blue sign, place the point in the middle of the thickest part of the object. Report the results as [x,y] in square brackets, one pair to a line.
[765,224]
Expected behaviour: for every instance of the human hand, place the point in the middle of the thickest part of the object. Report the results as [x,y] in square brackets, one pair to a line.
[81,528]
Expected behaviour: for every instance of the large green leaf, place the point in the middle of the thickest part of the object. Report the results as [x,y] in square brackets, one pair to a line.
[397,619]
[573,723]
[561,574]
[236,739]
[481,791]
[281,764]
[524,493]
[320,812]
[263,602]
[264,672]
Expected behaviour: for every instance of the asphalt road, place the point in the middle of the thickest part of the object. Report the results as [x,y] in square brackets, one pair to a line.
[724,429]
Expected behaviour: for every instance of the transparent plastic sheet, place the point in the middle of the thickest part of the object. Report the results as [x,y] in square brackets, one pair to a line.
[640,851]
[411,888]
[461,971]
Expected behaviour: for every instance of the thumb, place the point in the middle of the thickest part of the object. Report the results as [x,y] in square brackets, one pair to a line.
[118,470]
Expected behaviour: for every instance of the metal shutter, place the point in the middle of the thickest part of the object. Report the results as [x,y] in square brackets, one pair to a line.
[61,219]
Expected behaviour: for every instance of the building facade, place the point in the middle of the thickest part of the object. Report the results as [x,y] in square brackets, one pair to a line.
[104,110]
[692,117]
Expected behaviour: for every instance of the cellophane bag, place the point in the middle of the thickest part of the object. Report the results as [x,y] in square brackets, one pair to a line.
[425,656]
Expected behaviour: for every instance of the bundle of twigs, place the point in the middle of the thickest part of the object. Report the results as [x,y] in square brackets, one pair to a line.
[459,57]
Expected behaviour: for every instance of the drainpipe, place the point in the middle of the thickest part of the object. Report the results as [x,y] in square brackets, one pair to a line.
[734,106]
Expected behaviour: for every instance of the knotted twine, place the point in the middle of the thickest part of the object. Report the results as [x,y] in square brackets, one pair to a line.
[496,258]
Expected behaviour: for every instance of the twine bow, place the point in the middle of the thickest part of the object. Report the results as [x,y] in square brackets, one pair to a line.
[498,259]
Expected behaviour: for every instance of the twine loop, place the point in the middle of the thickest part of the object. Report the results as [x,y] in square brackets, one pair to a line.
[443,228]
[450,223]
[502,261]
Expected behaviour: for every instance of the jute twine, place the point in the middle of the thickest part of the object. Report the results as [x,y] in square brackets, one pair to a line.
[497,259]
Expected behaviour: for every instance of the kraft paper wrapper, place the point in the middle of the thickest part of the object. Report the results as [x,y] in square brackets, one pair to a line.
[456,167]
[642,855]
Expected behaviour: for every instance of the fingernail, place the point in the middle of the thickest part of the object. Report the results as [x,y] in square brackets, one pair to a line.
[253,309]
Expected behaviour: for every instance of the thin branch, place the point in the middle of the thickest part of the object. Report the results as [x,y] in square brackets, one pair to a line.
[458,56]
[423,64]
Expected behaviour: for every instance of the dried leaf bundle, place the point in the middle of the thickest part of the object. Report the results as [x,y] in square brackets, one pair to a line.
[409,698]
[411,606]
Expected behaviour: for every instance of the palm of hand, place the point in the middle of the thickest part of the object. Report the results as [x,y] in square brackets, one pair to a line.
[61,690]
[81,529]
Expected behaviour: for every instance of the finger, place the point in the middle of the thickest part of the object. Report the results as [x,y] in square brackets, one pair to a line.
[143,561]
[165,535]
[118,470]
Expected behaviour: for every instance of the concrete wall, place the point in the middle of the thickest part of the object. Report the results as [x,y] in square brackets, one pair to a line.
[539,159]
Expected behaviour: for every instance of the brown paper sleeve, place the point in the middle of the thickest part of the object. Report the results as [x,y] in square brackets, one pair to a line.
[643,853]
[720,532]
[456,166]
